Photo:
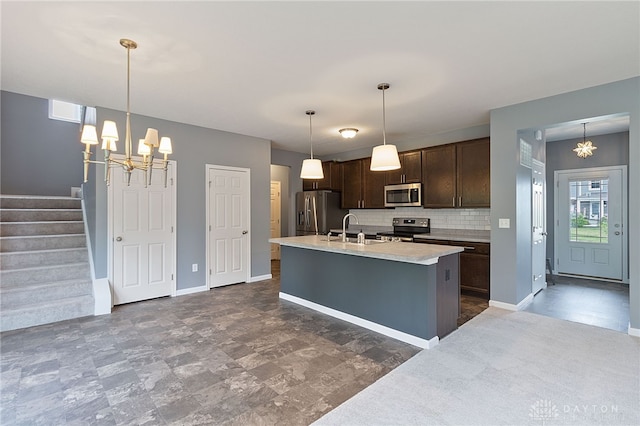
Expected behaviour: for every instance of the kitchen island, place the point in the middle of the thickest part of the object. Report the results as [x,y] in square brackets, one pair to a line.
[404,290]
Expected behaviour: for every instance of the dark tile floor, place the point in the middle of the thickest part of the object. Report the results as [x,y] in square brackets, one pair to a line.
[599,303]
[233,355]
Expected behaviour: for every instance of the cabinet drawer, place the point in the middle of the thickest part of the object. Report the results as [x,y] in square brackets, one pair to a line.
[477,248]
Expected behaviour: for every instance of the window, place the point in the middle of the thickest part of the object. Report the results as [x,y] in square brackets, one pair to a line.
[65,111]
[588,210]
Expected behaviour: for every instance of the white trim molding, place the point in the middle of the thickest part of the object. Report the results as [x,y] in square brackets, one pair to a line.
[634,331]
[378,328]
[260,278]
[511,307]
[191,290]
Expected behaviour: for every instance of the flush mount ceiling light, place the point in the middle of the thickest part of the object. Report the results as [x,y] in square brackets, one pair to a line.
[584,148]
[109,137]
[384,157]
[311,167]
[348,133]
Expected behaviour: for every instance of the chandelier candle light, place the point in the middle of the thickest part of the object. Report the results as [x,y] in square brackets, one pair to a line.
[109,137]
[584,148]
[384,157]
[311,167]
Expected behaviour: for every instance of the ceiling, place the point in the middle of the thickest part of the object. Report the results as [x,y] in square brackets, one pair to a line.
[254,68]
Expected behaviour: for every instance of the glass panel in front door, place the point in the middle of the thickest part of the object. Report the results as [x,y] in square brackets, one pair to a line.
[588,210]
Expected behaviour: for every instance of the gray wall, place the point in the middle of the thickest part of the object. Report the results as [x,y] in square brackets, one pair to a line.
[506,245]
[193,148]
[613,150]
[40,156]
[294,161]
[281,174]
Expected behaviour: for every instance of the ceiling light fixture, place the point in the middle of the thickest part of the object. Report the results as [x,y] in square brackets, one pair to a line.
[584,148]
[109,137]
[348,133]
[384,157]
[311,167]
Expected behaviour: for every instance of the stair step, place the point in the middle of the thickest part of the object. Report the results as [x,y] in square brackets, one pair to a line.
[41,242]
[13,298]
[10,229]
[19,277]
[30,259]
[38,202]
[39,215]
[46,313]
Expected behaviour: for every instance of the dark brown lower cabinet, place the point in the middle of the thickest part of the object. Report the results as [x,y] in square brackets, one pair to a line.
[474,266]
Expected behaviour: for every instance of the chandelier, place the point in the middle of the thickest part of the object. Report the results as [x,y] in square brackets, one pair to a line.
[109,138]
[584,148]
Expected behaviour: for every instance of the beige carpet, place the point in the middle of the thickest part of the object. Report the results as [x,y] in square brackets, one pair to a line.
[508,368]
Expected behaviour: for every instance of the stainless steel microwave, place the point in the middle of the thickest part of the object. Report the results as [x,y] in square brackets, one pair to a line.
[403,195]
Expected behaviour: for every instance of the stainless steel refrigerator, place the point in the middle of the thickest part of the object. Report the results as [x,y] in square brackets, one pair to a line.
[317,212]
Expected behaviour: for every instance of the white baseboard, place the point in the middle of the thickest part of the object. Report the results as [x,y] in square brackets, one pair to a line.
[511,307]
[191,290]
[102,296]
[260,278]
[378,328]
[634,331]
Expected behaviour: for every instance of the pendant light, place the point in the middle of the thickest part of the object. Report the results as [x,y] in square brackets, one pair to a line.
[311,167]
[384,157]
[584,148]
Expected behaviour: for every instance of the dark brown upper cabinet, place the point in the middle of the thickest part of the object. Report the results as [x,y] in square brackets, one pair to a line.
[457,175]
[410,170]
[332,180]
[362,188]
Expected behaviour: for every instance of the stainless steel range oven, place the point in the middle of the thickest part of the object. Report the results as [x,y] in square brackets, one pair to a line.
[404,228]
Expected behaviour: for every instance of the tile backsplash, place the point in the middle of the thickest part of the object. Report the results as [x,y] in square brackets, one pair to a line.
[478,219]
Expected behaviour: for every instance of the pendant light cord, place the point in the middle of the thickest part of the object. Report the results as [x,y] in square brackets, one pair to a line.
[384,124]
[311,136]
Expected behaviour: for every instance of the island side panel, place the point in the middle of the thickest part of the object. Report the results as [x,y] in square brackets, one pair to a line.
[398,295]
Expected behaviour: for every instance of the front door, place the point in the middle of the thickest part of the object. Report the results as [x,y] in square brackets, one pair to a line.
[143,244]
[228,225]
[590,233]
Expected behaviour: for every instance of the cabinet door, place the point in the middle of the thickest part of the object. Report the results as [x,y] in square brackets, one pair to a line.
[412,166]
[351,184]
[335,169]
[474,184]
[373,186]
[308,184]
[410,170]
[439,176]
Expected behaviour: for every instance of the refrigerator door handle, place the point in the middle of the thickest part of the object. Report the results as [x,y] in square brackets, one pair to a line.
[315,214]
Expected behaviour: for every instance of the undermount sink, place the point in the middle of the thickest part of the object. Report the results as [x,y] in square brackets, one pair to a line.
[366,242]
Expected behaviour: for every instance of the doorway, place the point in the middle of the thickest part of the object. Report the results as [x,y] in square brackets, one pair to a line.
[228,219]
[275,217]
[590,208]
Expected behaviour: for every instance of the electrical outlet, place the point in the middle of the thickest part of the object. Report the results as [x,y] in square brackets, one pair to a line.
[194,267]
[504,223]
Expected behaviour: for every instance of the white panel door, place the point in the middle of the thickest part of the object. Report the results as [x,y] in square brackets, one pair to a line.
[228,224]
[143,243]
[275,218]
[589,227]
[538,224]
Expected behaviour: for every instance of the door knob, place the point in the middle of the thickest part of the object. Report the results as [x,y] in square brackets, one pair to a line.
[245,232]
[544,234]
[617,232]
[118,238]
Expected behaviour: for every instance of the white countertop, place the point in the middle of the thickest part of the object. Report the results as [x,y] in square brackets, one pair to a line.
[423,254]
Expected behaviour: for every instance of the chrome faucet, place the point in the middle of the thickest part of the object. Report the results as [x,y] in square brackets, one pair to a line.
[344,225]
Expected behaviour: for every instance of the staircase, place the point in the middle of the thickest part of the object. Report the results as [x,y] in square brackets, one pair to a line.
[44,261]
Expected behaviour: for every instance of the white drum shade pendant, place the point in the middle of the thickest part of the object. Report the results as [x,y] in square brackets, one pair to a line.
[311,167]
[384,157]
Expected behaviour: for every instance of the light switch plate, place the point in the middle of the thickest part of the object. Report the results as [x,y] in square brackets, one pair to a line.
[194,267]
[504,223]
